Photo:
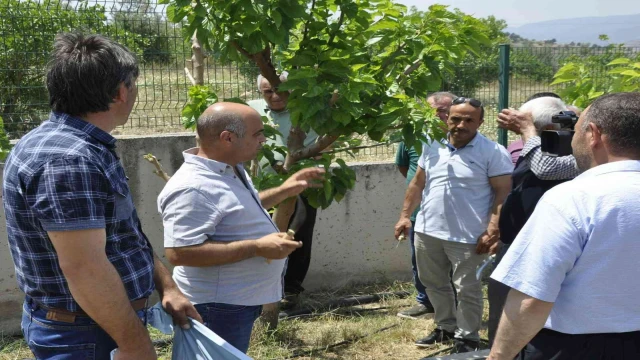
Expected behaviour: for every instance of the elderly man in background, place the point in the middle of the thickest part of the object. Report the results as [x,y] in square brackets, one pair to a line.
[273,105]
[407,163]
[217,232]
[515,148]
[525,193]
[573,268]
[460,186]
[543,166]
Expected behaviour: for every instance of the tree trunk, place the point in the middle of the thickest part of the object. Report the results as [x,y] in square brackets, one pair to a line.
[197,59]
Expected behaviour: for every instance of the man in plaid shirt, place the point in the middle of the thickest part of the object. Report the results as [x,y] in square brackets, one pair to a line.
[80,255]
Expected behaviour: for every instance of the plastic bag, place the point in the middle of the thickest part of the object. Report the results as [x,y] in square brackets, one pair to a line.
[196,343]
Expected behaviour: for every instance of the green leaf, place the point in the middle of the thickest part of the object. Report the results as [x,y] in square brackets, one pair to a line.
[619,61]
[374,40]
[328,190]
[630,72]
[277,18]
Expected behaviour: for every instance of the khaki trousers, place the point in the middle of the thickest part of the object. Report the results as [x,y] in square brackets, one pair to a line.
[435,258]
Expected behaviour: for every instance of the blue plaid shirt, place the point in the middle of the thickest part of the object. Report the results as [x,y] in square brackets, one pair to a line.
[65,175]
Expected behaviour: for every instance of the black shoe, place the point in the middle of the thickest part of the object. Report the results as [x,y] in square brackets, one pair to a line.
[289,302]
[465,346]
[416,311]
[437,336]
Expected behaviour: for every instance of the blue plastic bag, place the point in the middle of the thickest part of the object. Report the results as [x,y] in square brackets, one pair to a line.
[196,343]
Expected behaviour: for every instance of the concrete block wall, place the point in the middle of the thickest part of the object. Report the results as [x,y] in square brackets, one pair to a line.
[353,240]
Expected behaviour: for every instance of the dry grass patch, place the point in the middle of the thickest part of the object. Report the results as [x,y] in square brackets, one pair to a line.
[363,332]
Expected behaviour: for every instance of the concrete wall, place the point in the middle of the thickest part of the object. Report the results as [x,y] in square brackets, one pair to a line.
[353,240]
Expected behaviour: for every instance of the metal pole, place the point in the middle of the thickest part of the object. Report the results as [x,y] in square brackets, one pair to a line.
[503,94]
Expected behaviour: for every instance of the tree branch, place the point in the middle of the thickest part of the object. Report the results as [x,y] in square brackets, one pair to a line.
[334,98]
[389,60]
[241,50]
[306,25]
[360,147]
[263,60]
[312,150]
[191,79]
[333,35]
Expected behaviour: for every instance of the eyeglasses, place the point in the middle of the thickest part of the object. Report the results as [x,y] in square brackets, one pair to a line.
[461,100]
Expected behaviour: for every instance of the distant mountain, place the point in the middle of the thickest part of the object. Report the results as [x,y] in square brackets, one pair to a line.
[620,29]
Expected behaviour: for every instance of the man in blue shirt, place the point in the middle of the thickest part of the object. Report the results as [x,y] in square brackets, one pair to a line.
[80,255]
[407,162]
[460,186]
[573,268]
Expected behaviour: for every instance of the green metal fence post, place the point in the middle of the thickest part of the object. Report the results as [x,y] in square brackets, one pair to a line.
[503,94]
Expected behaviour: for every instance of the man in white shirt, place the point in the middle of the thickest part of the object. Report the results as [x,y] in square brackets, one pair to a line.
[462,182]
[573,268]
[217,232]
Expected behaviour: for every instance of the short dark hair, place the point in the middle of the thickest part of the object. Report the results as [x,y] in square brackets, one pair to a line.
[85,73]
[617,115]
[543,94]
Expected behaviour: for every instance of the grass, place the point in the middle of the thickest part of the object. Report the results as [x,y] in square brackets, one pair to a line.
[312,337]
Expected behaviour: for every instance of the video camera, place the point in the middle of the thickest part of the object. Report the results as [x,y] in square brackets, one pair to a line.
[558,142]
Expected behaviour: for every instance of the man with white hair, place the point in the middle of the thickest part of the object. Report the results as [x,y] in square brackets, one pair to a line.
[527,189]
[273,105]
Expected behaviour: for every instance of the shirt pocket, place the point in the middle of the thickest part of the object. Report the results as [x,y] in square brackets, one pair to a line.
[123,204]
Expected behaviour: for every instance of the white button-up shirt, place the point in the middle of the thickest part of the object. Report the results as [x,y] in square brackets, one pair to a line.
[580,250]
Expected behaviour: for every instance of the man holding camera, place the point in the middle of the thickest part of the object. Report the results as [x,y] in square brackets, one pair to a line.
[573,267]
[525,193]
[544,167]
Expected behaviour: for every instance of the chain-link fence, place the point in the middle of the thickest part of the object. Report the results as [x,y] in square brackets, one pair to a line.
[28,28]
[27,32]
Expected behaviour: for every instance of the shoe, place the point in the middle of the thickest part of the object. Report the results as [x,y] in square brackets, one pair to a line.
[437,336]
[465,346]
[416,311]
[289,301]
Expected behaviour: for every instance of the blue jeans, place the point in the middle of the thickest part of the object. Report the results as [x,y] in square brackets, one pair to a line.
[57,340]
[422,293]
[231,322]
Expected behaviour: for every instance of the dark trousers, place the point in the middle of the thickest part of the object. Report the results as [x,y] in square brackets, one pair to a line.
[497,293]
[553,345]
[299,260]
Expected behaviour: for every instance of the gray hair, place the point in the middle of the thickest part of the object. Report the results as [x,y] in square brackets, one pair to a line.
[542,109]
[212,123]
[437,96]
[617,115]
[283,78]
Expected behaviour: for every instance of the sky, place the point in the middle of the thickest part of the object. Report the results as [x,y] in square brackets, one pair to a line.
[520,12]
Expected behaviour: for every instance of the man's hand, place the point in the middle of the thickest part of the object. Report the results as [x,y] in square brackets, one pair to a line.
[402,227]
[276,246]
[179,307]
[303,179]
[516,121]
[136,354]
[488,242]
